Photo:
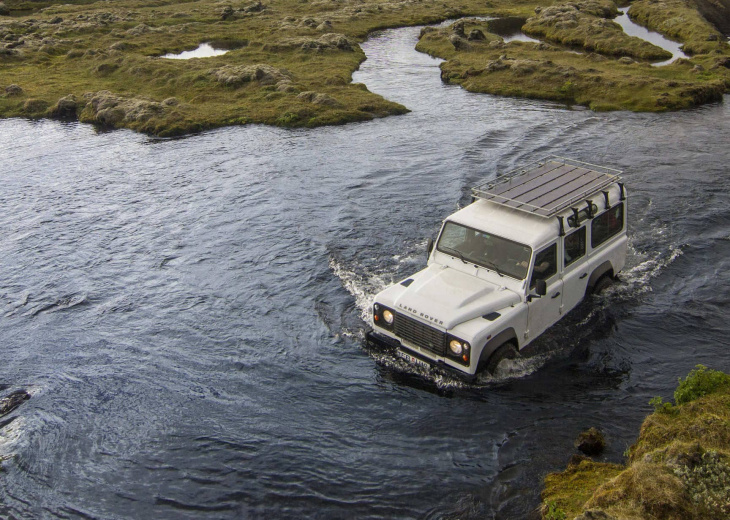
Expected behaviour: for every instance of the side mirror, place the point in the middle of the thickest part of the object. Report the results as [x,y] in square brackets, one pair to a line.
[429,246]
[541,288]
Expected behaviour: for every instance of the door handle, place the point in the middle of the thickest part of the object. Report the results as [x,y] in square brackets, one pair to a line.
[583,275]
[555,295]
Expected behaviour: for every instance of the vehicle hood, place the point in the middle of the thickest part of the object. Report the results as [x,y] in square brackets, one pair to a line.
[447,297]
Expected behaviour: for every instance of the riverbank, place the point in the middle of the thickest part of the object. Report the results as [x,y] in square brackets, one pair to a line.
[290,63]
[679,468]
[589,62]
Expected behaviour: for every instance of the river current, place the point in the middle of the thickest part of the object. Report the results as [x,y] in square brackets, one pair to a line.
[188,313]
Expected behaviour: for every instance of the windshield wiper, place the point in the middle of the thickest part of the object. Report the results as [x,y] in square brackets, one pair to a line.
[458,253]
[491,265]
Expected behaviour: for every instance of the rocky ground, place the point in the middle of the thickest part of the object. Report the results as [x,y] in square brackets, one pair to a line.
[290,62]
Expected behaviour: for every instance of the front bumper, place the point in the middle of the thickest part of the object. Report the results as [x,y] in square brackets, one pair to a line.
[383,342]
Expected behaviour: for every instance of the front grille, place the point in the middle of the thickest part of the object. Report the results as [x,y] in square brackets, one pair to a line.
[420,334]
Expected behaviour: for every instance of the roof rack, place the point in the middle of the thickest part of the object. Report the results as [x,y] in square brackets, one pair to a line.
[548,186]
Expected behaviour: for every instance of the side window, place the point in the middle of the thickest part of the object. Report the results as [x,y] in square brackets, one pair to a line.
[575,245]
[546,264]
[606,225]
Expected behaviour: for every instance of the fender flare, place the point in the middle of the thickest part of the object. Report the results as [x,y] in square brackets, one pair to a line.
[598,273]
[494,343]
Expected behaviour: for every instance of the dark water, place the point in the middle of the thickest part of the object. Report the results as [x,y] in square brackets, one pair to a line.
[187,313]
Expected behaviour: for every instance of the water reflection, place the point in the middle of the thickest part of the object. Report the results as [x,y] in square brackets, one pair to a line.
[205,50]
[510,29]
[633,29]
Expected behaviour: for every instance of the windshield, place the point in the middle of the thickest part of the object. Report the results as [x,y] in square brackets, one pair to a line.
[480,248]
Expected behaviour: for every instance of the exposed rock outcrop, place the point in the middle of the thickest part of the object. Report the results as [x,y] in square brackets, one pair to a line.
[11,402]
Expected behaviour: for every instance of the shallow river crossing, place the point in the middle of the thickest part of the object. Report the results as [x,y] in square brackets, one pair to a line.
[187,314]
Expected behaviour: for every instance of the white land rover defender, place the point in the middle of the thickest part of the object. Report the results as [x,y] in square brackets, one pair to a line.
[530,246]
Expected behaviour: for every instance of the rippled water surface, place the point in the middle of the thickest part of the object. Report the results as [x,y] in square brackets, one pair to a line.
[187,314]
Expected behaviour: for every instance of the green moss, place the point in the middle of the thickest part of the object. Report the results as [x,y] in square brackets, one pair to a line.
[80,48]
[524,69]
[585,24]
[680,21]
[83,48]
[569,490]
[679,468]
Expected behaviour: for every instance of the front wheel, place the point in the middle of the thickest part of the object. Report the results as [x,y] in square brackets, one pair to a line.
[505,351]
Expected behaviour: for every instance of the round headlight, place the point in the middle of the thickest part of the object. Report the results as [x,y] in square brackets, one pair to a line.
[388,317]
[456,347]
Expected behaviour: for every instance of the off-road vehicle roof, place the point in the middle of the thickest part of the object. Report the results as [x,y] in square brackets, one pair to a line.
[548,186]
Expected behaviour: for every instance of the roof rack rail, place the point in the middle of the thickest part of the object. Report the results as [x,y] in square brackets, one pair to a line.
[547,186]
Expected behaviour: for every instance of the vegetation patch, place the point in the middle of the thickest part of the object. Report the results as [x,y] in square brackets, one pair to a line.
[290,62]
[586,24]
[681,21]
[679,468]
[553,72]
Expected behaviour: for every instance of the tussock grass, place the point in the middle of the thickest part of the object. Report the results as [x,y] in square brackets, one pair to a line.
[586,24]
[75,51]
[679,468]
[681,21]
[541,71]
[57,59]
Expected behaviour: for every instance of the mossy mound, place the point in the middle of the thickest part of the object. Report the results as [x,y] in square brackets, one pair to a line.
[681,21]
[679,468]
[586,24]
[54,60]
[601,81]
[62,55]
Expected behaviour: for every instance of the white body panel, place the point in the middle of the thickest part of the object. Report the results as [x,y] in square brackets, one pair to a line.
[481,305]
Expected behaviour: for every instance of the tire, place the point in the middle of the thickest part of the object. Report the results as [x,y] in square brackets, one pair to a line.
[504,351]
[601,285]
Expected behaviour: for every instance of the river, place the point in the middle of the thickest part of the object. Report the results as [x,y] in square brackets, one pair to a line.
[187,313]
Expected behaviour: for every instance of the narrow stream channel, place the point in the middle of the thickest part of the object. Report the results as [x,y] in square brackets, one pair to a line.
[634,29]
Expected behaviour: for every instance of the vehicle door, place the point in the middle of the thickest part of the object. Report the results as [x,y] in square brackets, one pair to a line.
[575,268]
[544,311]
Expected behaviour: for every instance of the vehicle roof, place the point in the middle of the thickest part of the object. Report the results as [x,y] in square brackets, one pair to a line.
[525,227]
[507,222]
[548,186]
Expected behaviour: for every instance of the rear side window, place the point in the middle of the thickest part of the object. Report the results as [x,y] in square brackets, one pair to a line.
[575,246]
[607,224]
[546,264]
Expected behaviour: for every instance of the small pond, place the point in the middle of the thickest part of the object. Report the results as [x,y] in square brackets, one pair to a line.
[205,50]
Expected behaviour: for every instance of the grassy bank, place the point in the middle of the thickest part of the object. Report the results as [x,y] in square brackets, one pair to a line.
[612,76]
[587,25]
[678,469]
[290,62]
[681,21]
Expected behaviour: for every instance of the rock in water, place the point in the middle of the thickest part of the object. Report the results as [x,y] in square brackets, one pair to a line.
[11,402]
[591,442]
